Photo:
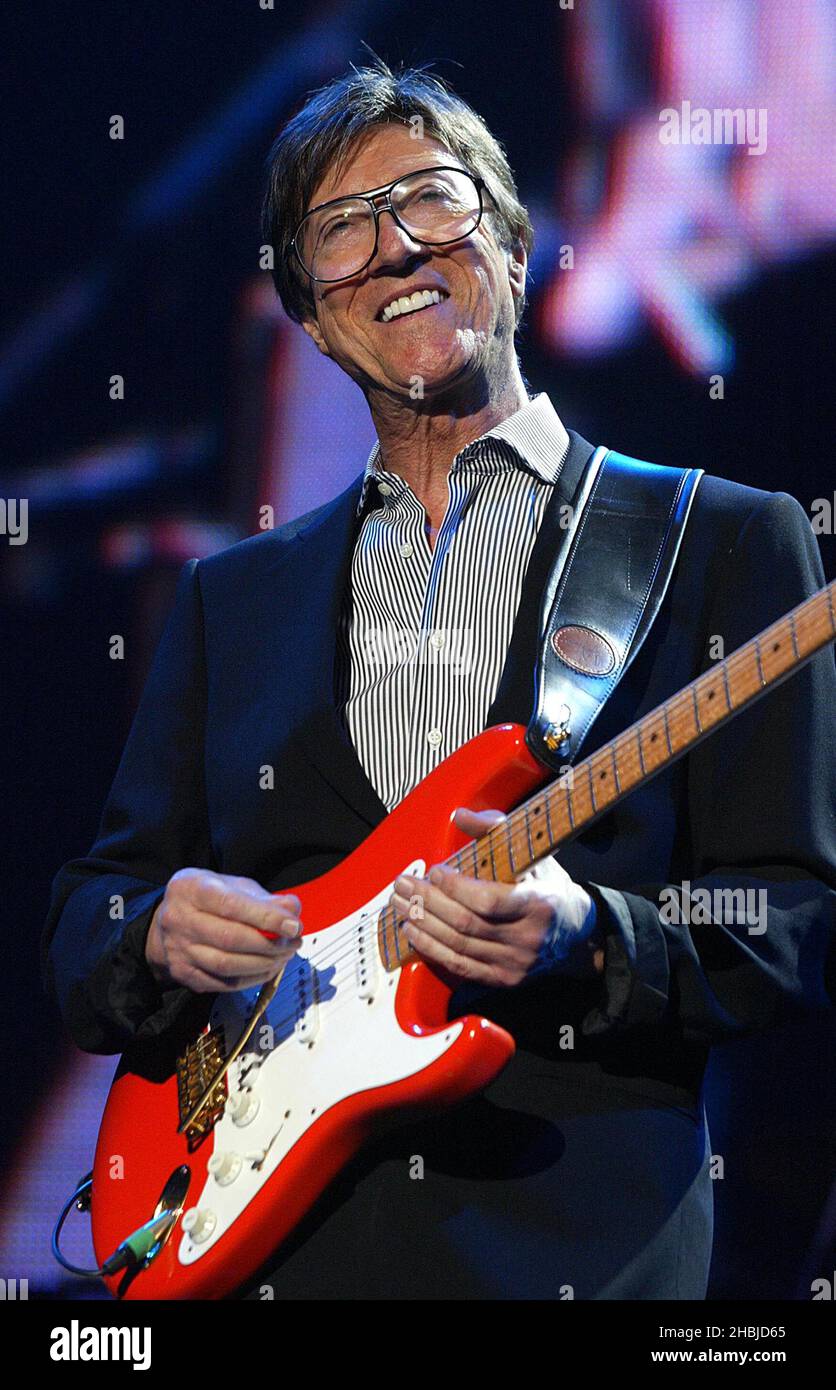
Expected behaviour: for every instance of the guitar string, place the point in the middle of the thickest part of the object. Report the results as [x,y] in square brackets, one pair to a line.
[679,716]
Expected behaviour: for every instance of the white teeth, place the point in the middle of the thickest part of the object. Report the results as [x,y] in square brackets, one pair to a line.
[408,304]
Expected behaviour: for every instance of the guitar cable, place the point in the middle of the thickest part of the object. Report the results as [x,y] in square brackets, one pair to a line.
[134,1248]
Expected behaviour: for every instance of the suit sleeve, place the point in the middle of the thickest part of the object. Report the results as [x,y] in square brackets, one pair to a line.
[154,822]
[761,813]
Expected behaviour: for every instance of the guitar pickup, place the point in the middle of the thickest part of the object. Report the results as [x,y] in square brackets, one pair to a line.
[366,958]
[306,999]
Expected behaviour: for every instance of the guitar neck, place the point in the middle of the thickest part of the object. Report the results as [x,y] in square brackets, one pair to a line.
[558,812]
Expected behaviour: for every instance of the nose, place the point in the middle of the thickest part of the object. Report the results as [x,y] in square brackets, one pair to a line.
[393,243]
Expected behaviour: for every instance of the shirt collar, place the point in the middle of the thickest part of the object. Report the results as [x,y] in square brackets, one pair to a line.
[537,437]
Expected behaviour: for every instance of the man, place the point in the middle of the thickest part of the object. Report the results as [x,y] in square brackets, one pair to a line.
[582,1171]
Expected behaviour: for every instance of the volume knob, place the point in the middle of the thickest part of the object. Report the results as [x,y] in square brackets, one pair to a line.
[243,1107]
[224,1168]
[199,1223]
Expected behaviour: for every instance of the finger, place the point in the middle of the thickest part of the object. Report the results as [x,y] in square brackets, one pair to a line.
[226,965]
[204,928]
[258,909]
[462,966]
[474,939]
[249,885]
[450,921]
[475,823]
[495,902]
[201,983]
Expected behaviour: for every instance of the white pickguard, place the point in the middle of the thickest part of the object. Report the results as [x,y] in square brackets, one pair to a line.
[331,1033]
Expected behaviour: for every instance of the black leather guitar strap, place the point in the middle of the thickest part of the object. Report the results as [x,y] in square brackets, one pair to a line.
[605,588]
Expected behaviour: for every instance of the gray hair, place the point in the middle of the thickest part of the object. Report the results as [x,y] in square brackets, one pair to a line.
[322,134]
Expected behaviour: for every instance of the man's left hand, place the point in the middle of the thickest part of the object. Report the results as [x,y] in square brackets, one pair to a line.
[498,934]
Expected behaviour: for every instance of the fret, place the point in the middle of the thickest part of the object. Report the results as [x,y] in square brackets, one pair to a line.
[829,592]
[528,836]
[793,635]
[775,659]
[696,709]
[615,769]
[707,688]
[667,729]
[725,669]
[397,940]
[549,830]
[641,754]
[742,677]
[569,807]
[601,774]
[537,812]
[591,786]
[807,627]
[510,845]
[653,739]
[760,663]
[490,848]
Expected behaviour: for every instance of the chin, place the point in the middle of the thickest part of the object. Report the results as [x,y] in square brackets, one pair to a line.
[438,370]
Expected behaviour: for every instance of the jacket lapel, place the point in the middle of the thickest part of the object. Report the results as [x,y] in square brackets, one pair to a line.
[321,558]
[514,699]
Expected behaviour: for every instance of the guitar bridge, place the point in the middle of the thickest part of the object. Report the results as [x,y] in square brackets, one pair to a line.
[202,1060]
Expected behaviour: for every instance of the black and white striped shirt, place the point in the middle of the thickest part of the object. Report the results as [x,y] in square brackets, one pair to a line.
[424,633]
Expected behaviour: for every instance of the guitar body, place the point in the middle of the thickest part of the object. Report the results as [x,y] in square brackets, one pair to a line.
[342,1048]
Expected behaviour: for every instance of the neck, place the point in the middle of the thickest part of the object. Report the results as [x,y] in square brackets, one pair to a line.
[419,439]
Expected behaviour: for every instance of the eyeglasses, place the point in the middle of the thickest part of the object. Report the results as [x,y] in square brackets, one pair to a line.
[434,206]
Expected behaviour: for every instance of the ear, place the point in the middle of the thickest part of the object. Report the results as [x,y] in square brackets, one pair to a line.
[517,260]
[314,331]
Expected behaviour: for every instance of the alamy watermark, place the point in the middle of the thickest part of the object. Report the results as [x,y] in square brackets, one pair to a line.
[391,645]
[680,905]
[722,125]
[14,519]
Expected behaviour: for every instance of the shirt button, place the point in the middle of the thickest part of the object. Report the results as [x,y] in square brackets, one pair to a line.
[385,488]
[434,737]
[437,640]
[406,550]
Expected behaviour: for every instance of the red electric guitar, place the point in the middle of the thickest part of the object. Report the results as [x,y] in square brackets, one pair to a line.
[230,1145]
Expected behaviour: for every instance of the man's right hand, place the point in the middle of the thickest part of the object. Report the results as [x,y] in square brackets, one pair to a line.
[206,933]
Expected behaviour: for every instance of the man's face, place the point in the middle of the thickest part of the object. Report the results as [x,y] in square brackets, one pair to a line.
[444,344]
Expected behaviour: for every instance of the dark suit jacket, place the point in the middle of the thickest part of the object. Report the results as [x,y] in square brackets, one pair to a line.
[579,1169]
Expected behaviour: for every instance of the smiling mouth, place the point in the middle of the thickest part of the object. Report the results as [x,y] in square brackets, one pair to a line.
[411,304]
